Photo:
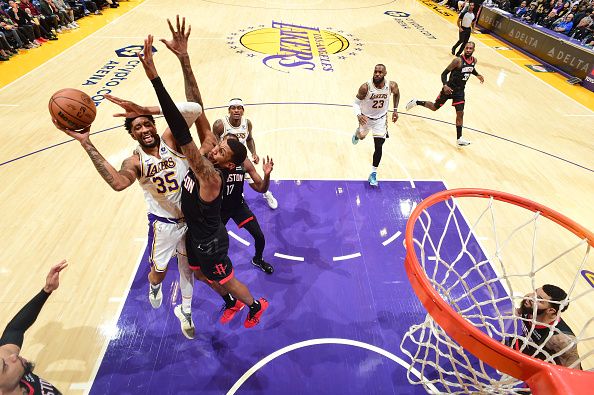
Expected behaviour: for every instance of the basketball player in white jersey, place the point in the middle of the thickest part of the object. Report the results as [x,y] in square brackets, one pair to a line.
[160,170]
[371,108]
[241,127]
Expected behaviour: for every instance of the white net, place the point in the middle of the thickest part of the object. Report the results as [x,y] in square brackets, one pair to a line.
[486,269]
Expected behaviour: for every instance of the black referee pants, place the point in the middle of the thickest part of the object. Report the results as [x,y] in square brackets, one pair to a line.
[463,38]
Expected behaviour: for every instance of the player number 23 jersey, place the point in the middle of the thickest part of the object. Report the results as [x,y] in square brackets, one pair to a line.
[161,180]
[377,102]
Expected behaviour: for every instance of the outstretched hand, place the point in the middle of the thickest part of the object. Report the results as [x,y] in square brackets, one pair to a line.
[146,58]
[131,109]
[267,165]
[179,41]
[52,282]
[80,135]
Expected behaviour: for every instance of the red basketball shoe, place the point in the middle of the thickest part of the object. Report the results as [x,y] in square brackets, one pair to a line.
[250,322]
[229,313]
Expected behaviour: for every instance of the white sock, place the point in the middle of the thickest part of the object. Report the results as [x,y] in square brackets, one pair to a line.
[156,287]
[267,193]
[373,169]
[186,282]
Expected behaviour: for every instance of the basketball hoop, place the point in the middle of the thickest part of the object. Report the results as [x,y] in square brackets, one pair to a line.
[470,292]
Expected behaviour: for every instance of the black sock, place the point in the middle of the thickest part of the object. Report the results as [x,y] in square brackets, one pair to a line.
[255,307]
[258,258]
[458,131]
[229,300]
[421,102]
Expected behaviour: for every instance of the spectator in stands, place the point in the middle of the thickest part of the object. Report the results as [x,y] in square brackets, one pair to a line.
[49,10]
[21,18]
[541,11]
[67,11]
[581,29]
[48,22]
[548,20]
[504,5]
[22,35]
[530,14]
[583,10]
[565,10]
[558,7]
[89,7]
[521,10]
[6,50]
[62,14]
[77,9]
[564,24]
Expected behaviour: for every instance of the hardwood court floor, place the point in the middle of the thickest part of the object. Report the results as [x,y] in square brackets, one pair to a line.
[528,138]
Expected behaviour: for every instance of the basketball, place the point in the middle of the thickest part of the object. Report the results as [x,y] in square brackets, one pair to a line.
[72,109]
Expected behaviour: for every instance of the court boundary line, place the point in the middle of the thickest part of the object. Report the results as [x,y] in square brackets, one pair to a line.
[324,341]
[117,316]
[338,105]
[88,385]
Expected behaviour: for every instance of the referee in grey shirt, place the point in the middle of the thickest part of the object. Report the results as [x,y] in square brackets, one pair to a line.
[465,26]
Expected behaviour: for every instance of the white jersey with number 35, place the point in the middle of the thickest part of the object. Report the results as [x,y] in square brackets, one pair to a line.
[377,102]
[241,131]
[161,180]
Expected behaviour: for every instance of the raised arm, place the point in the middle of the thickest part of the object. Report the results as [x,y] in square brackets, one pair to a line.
[189,110]
[13,335]
[117,180]
[258,184]
[204,170]
[179,46]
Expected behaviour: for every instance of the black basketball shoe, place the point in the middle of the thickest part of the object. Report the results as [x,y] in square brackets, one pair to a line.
[263,265]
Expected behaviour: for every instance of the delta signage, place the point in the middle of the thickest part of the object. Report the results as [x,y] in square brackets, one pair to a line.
[573,59]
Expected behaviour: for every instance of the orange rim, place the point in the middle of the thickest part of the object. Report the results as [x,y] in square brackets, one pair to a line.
[542,377]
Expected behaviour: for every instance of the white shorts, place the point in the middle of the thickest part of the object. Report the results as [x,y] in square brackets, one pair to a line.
[378,127]
[165,240]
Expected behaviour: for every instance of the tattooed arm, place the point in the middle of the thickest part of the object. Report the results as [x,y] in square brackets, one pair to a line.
[568,346]
[179,46]
[117,180]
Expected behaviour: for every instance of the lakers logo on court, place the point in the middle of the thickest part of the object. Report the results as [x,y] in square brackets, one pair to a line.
[589,276]
[290,47]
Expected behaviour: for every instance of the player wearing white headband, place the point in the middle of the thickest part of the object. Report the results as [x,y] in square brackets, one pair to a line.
[241,127]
